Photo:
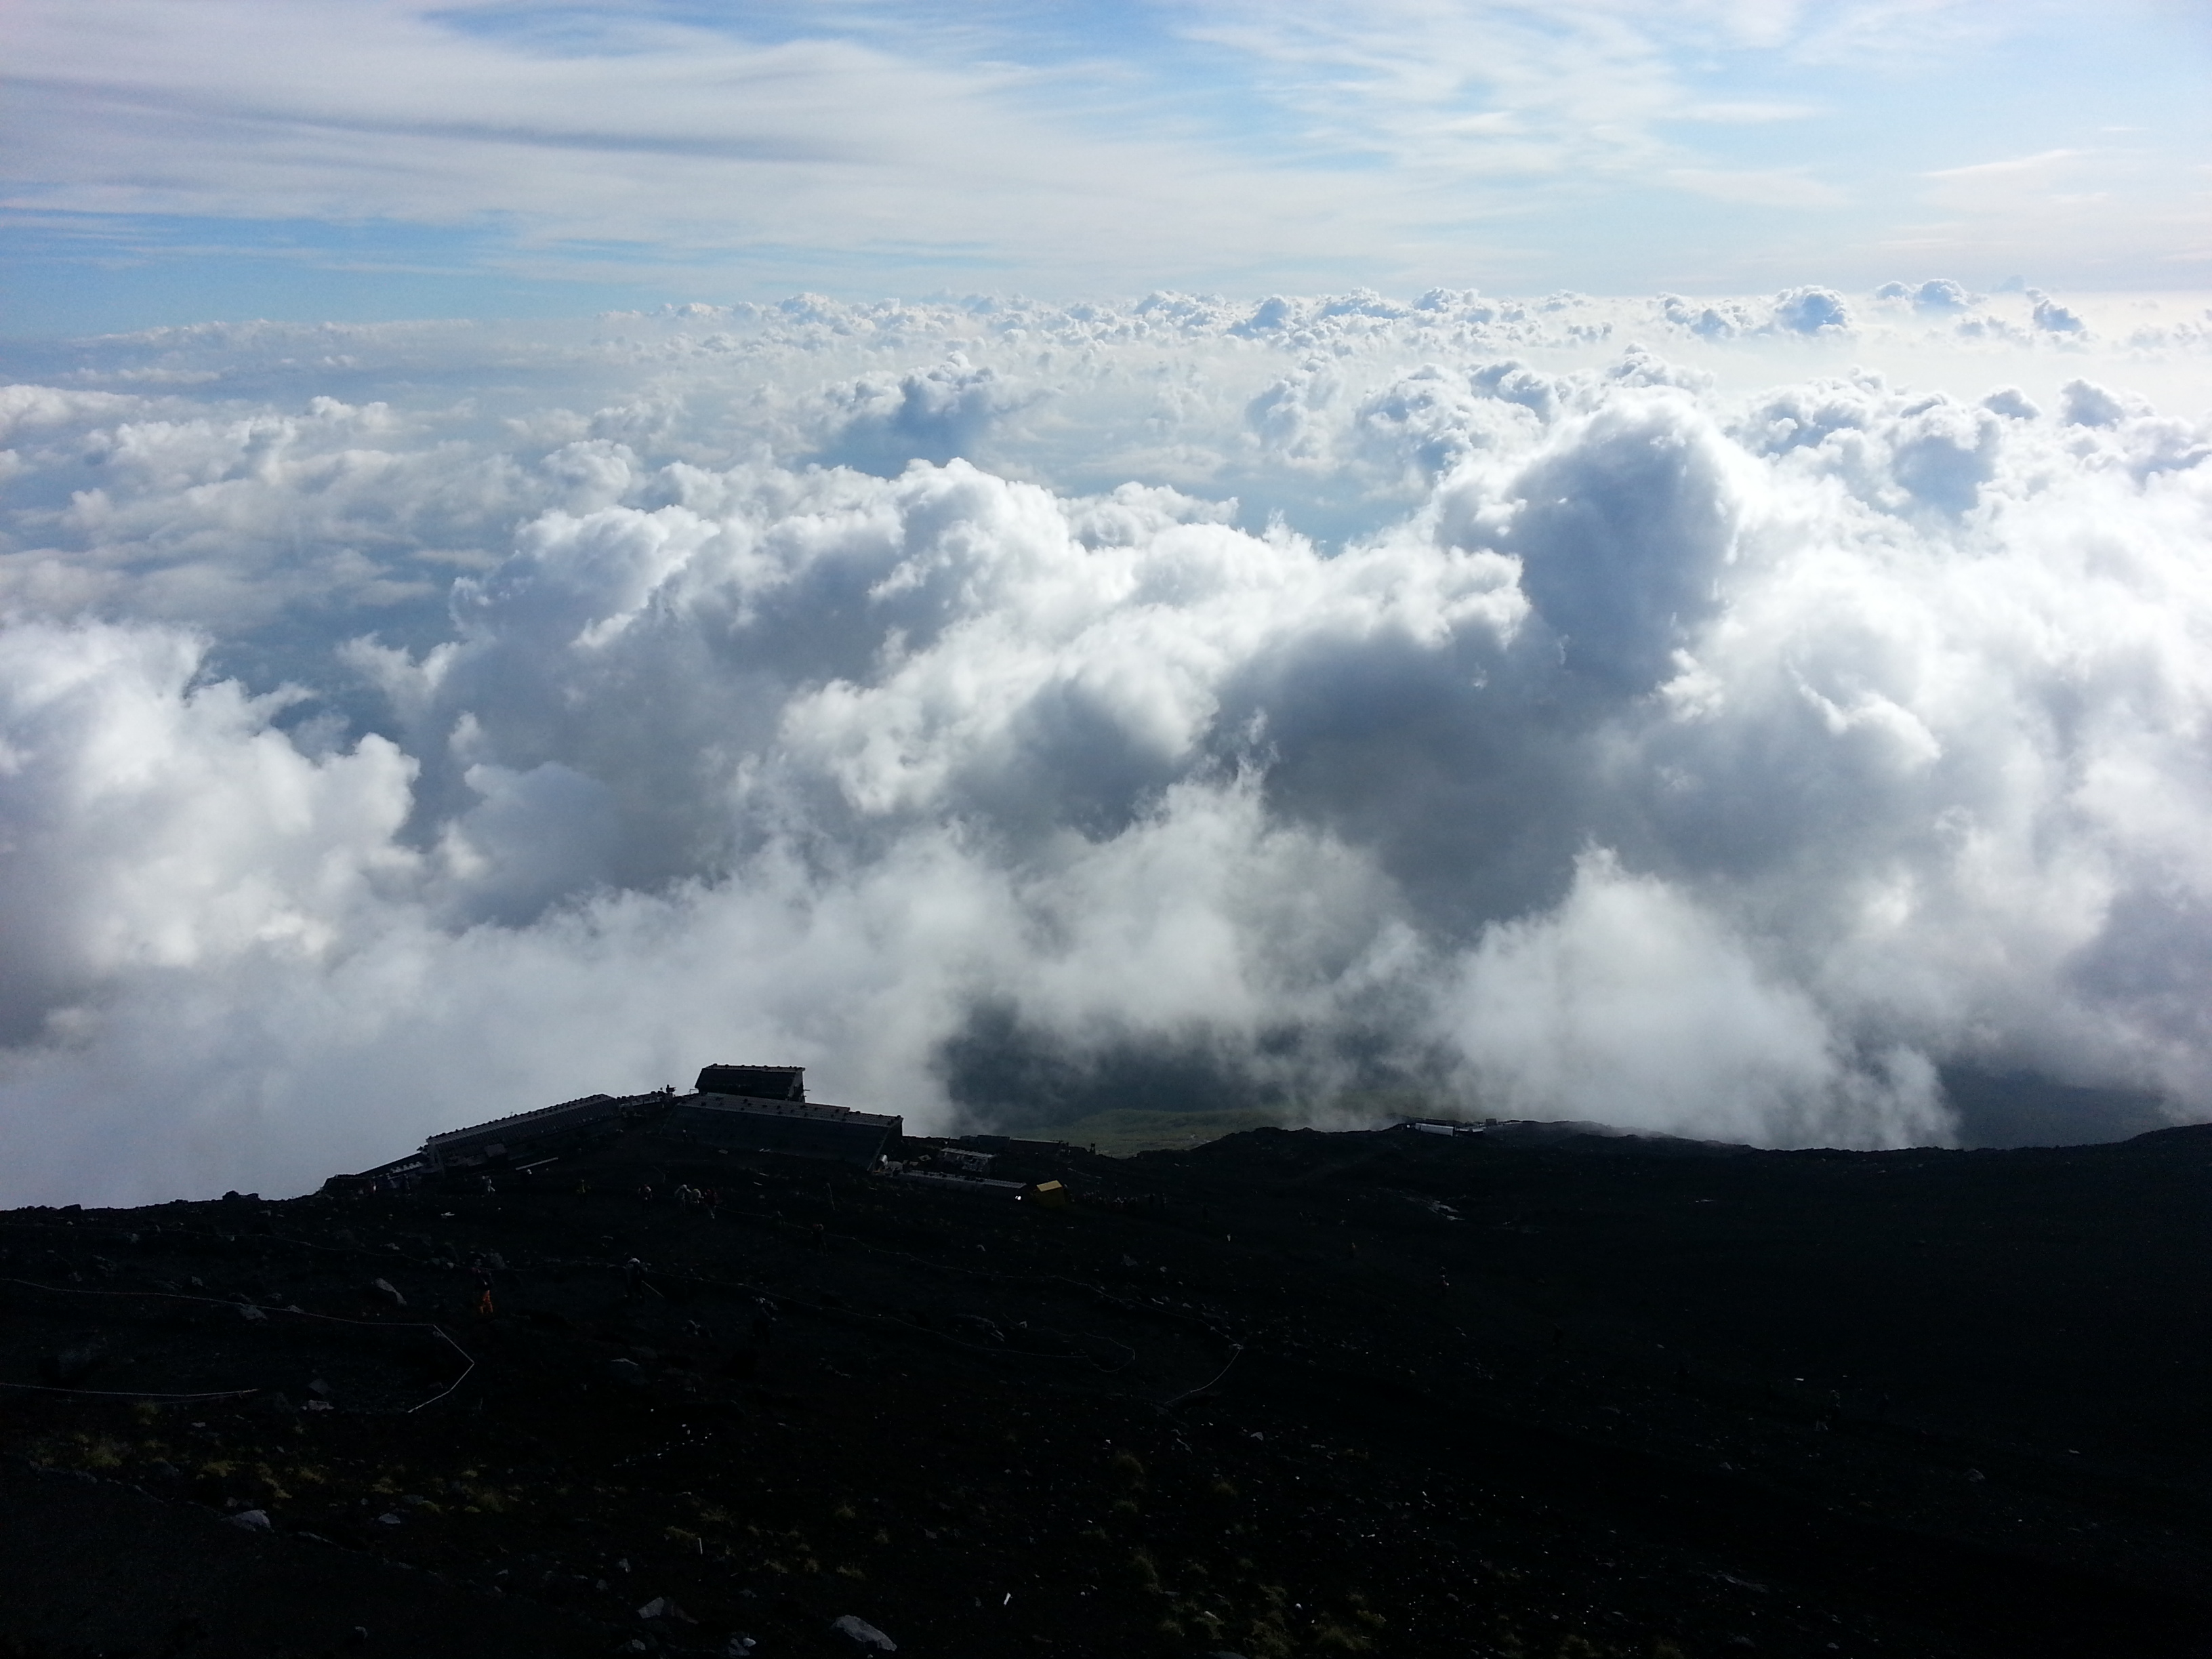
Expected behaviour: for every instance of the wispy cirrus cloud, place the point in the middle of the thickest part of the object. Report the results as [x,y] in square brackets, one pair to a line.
[1771,187]
[655,130]
[652,150]
[1747,113]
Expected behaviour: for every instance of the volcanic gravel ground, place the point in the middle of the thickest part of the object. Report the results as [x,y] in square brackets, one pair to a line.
[1524,1393]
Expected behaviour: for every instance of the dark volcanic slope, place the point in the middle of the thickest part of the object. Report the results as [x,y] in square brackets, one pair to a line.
[1288,1394]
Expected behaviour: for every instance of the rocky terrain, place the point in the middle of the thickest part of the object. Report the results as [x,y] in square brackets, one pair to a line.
[1530,1392]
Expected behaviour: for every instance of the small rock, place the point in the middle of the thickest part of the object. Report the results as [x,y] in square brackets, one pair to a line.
[388,1520]
[384,1287]
[739,1647]
[864,1633]
[252,1313]
[251,1520]
[73,1365]
[1976,1476]
[661,1607]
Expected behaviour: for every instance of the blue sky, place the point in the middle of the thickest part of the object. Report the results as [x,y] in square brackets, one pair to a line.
[170,160]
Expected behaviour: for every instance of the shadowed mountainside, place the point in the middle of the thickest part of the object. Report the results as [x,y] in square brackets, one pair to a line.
[1531,1393]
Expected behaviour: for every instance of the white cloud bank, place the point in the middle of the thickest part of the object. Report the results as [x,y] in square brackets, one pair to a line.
[1701,735]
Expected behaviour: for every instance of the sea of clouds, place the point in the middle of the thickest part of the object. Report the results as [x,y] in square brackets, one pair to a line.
[1726,717]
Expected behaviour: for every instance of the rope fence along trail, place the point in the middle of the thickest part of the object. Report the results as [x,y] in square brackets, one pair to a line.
[468,1360]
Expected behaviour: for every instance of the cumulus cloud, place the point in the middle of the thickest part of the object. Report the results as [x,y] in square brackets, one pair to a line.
[1939,294]
[1812,311]
[1011,712]
[935,414]
[2053,318]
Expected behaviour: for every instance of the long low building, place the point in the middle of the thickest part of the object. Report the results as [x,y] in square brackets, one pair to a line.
[798,1128]
[500,1139]
[765,1108]
[753,1108]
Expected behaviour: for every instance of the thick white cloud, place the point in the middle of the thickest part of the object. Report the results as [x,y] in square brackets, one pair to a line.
[149,823]
[1014,711]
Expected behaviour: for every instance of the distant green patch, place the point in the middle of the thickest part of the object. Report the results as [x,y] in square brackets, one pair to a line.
[1119,1134]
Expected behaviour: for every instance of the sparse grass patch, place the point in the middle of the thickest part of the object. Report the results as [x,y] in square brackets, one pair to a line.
[104,1454]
